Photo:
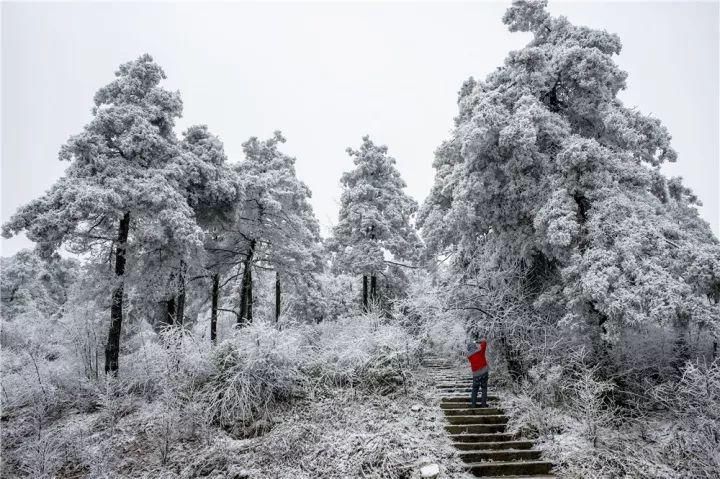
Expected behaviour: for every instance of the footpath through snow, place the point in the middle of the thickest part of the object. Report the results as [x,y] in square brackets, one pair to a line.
[479,433]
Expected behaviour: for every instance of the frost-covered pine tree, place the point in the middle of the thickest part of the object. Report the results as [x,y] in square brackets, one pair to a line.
[30,283]
[547,164]
[118,204]
[275,226]
[211,189]
[375,218]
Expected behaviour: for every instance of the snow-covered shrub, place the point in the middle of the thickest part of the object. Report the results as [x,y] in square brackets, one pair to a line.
[261,366]
[694,406]
[253,370]
[367,351]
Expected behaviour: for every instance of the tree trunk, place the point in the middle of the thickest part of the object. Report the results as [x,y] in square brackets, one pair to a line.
[180,312]
[512,357]
[246,288]
[277,296]
[170,311]
[250,297]
[365,294]
[681,349]
[373,289]
[600,349]
[112,348]
[214,310]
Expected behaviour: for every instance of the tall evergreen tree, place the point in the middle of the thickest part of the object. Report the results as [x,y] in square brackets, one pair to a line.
[375,218]
[274,225]
[211,189]
[546,163]
[116,202]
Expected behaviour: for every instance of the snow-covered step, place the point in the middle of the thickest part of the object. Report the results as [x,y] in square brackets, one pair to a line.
[474,428]
[456,398]
[465,410]
[452,385]
[510,468]
[487,437]
[484,446]
[534,476]
[500,455]
[478,419]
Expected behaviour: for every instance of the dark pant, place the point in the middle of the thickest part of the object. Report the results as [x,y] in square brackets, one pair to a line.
[479,382]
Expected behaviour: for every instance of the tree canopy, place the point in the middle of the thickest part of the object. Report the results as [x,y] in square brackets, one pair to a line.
[546,162]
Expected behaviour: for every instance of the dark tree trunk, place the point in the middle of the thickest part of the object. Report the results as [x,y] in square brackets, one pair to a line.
[250,297]
[180,312]
[365,294]
[112,348]
[277,296]
[214,310]
[246,287]
[170,311]
[373,289]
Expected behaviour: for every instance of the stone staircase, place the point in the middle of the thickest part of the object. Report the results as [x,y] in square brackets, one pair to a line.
[479,433]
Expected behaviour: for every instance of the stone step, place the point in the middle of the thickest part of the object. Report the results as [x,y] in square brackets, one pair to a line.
[453,386]
[487,437]
[517,468]
[534,476]
[465,410]
[446,406]
[478,419]
[465,398]
[484,446]
[500,455]
[474,428]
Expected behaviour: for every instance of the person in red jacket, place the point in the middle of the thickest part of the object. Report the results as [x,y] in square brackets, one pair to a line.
[479,366]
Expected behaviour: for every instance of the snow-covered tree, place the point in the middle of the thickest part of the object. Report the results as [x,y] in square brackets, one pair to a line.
[29,282]
[274,225]
[546,162]
[375,221]
[117,203]
[211,189]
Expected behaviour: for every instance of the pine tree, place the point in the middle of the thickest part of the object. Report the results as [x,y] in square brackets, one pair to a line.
[274,225]
[117,202]
[546,163]
[211,189]
[375,218]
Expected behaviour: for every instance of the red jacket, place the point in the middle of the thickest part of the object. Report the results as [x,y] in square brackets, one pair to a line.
[478,362]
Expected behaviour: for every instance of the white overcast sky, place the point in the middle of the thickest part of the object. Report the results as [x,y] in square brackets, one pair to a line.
[328,73]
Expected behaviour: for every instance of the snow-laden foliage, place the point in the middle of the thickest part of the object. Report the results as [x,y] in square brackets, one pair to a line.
[671,434]
[118,204]
[375,222]
[30,284]
[177,390]
[271,227]
[547,167]
[550,230]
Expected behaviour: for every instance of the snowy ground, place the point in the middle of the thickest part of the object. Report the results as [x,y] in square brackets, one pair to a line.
[342,432]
